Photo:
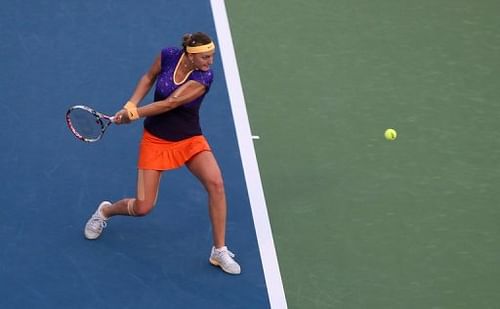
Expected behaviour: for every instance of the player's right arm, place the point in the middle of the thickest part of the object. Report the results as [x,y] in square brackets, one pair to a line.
[146,81]
[141,90]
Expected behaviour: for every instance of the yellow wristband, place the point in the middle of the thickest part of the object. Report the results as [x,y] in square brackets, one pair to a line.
[130,104]
[131,109]
[133,114]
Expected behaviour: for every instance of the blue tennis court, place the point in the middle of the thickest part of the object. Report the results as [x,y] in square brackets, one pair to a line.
[57,54]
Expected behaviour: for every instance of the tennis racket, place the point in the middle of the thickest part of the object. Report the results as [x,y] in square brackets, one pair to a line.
[87,124]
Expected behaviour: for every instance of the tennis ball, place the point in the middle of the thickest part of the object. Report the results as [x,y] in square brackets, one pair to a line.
[390,134]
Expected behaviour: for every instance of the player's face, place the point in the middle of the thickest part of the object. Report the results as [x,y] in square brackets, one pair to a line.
[203,61]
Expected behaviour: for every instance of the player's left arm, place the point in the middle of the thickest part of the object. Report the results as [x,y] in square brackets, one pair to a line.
[186,93]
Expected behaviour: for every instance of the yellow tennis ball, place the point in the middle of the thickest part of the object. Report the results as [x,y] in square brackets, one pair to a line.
[390,134]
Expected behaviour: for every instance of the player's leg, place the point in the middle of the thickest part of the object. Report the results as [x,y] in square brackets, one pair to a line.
[204,166]
[148,182]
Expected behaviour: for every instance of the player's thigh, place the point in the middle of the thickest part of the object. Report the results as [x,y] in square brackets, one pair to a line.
[205,167]
[148,183]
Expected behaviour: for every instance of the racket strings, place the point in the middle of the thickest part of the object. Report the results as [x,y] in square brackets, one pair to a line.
[85,124]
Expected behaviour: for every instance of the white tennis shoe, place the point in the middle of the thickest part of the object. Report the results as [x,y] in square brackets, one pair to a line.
[96,223]
[224,259]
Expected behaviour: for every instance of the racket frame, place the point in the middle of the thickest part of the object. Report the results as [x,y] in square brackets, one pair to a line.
[103,120]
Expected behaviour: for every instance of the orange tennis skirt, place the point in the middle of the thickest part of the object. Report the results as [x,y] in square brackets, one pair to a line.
[158,154]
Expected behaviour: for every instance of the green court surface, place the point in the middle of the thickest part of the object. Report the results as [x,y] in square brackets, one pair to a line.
[358,221]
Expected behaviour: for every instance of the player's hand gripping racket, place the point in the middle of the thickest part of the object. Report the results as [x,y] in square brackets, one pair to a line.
[87,124]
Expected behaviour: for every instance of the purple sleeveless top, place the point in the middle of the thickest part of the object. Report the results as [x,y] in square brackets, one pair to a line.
[183,121]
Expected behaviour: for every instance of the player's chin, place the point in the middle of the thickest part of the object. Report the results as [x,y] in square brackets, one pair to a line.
[204,68]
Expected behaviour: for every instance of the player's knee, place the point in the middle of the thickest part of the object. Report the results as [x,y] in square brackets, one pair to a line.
[215,185]
[142,208]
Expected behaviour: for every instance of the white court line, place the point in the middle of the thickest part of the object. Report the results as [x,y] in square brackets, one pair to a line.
[250,167]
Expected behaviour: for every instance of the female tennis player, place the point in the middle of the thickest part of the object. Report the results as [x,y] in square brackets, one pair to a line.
[173,138]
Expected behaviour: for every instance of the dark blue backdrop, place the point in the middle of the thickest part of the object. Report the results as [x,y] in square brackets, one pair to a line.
[58,53]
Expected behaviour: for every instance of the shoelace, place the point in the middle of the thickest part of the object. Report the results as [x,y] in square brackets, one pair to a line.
[97,223]
[227,256]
